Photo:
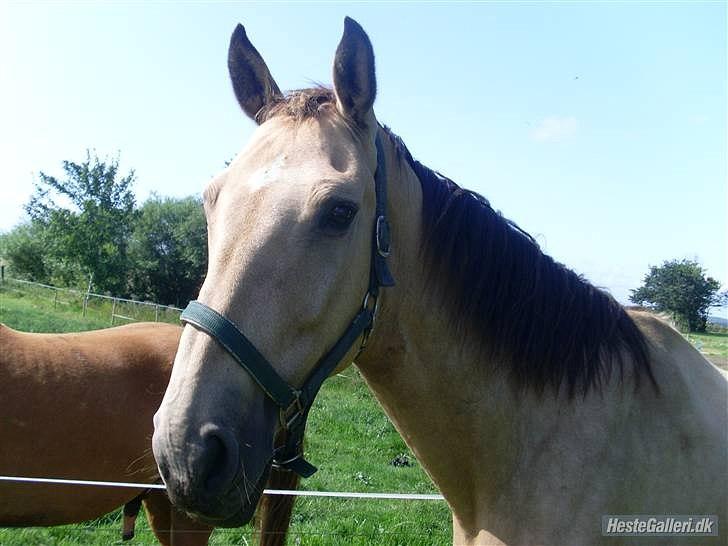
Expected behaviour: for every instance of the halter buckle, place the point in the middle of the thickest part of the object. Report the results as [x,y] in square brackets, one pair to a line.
[296,464]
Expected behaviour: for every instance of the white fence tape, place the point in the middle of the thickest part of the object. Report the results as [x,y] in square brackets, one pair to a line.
[295,492]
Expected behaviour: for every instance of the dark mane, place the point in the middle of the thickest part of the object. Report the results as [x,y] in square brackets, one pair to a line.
[547,324]
[531,313]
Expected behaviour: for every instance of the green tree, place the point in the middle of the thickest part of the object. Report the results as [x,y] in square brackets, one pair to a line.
[24,248]
[680,287]
[91,235]
[168,250]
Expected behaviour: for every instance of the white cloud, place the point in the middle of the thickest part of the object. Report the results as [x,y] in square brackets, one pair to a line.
[555,129]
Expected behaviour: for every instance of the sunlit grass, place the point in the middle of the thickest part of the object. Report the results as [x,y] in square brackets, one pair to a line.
[710,343]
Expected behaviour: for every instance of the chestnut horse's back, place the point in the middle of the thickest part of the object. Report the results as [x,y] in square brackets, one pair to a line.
[79,405]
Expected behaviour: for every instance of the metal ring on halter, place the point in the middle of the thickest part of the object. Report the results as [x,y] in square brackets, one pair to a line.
[368,331]
[365,303]
[298,410]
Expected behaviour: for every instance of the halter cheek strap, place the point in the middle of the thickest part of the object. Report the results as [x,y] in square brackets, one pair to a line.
[295,404]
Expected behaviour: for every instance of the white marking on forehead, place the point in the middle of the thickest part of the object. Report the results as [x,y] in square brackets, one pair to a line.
[267,174]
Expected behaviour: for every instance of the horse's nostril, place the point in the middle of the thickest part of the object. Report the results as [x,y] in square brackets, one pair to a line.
[221,460]
[215,456]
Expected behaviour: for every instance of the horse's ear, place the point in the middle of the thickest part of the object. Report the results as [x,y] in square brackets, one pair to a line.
[254,86]
[355,83]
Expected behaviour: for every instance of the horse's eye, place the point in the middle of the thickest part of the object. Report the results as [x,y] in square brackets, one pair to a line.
[338,217]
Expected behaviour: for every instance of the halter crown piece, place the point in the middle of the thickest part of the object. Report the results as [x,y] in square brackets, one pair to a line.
[295,404]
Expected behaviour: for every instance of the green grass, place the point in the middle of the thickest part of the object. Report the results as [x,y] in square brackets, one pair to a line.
[70,305]
[713,345]
[349,438]
[33,315]
[710,343]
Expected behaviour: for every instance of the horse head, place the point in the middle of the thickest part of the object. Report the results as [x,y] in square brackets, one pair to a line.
[296,243]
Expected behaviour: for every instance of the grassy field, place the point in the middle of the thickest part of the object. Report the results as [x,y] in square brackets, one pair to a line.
[349,439]
[33,315]
[713,345]
[80,309]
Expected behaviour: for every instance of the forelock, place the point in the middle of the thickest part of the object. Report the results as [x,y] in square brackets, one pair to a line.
[301,104]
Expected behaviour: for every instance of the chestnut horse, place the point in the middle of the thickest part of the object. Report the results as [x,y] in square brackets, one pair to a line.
[80,406]
[535,401]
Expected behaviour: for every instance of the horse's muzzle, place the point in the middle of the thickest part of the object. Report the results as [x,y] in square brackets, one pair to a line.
[233,509]
[206,478]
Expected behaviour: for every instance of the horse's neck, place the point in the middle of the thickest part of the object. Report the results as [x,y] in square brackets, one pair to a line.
[503,457]
[471,431]
[465,423]
[514,463]
[426,382]
[442,411]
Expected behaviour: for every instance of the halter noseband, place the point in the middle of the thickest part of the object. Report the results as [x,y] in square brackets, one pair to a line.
[294,403]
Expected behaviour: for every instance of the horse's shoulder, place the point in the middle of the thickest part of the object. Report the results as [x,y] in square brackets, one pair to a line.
[655,326]
[676,361]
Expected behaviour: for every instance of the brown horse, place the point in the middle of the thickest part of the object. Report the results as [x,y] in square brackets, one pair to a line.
[80,406]
[535,401]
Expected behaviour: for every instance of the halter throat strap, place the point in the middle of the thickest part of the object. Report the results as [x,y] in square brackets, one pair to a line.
[295,404]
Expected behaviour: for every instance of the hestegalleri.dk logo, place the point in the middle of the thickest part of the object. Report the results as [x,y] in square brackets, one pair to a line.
[659,526]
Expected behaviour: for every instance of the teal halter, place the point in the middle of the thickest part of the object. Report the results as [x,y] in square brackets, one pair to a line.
[294,404]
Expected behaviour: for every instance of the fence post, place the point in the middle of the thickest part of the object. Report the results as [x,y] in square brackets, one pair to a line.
[156,313]
[55,298]
[113,311]
[88,292]
[2,273]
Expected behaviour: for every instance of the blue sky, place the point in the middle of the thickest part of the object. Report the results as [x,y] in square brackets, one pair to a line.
[599,127]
